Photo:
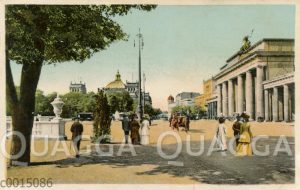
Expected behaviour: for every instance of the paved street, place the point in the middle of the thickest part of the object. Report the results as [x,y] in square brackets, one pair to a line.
[147,166]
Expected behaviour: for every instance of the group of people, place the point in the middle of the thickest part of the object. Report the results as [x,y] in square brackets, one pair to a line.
[139,134]
[242,133]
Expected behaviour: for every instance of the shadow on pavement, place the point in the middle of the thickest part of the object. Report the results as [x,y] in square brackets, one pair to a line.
[214,169]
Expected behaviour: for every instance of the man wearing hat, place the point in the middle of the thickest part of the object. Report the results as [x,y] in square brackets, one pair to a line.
[76,129]
[236,129]
[126,127]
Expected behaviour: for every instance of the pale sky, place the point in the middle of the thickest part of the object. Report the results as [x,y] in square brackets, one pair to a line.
[184,45]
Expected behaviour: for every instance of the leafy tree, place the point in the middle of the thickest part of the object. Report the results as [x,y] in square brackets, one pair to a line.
[197,110]
[128,102]
[114,104]
[43,103]
[120,101]
[192,110]
[148,109]
[49,34]
[76,102]
[102,118]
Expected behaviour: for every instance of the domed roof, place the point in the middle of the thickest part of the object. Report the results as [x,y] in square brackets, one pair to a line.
[117,83]
[170,97]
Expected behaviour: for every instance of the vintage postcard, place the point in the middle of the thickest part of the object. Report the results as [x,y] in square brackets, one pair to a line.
[141,95]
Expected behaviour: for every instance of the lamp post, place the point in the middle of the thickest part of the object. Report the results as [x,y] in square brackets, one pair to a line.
[144,91]
[140,104]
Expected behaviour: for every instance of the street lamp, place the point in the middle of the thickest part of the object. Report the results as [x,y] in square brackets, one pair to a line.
[140,104]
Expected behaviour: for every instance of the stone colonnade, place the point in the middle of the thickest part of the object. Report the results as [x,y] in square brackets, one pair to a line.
[242,93]
[245,93]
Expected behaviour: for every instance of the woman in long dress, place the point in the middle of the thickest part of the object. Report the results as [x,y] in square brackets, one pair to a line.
[145,137]
[221,134]
[244,146]
[135,126]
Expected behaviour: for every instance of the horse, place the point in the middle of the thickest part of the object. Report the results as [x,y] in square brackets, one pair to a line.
[180,121]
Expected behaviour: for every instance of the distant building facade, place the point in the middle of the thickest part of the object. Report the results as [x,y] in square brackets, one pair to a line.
[182,99]
[259,81]
[186,98]
[77,87]
[208,88]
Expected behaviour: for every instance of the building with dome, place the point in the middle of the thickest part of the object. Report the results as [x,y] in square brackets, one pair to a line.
[171,105]
[118,86]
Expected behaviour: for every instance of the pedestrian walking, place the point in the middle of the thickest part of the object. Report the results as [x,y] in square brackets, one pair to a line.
[221,134]
[145,136]
[76,129]
[244,146]
[135,126]
[126,127]
[236,129]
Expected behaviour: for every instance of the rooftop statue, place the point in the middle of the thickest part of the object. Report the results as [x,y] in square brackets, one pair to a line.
[246,43]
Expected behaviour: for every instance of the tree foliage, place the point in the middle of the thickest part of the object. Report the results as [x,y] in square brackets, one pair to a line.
[148,109]
[120,101]
[58,33]
[192,110]
[102,119]
[46,34]
[76,102]
[43,103]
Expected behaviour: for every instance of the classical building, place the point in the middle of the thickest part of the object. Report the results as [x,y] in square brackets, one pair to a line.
[199,100]
[118,86]
[259,81]
[78,87]
[211,102]
[208,87]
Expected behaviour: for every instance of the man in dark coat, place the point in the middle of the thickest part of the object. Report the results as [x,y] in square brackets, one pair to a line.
[236,129]
[126,127]
[76,129]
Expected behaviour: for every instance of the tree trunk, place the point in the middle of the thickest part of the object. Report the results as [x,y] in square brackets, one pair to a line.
[23,109]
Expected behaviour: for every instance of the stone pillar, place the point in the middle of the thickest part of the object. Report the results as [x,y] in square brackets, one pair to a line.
[224,99]
[209,110]
[249,94]
[212,110]
[219,103]
[266,105]
[259,92]
[275,104]
[286,102]
[240,94]
[215,108]
[230,98]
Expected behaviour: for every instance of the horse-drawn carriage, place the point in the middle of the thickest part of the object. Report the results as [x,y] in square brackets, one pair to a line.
[177,121]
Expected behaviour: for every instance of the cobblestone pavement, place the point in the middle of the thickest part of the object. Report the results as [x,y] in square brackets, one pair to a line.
[147,166]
